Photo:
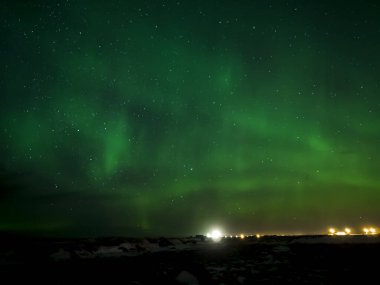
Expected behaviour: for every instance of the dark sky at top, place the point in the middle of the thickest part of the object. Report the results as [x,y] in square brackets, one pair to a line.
[170,117]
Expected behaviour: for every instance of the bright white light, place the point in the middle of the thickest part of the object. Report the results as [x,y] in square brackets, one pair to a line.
[215,235]
[242,236]
[341,233]
[347,230]
[258,236]
[365,230]
[372,230]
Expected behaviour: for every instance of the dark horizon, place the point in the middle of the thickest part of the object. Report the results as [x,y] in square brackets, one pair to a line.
[170,118]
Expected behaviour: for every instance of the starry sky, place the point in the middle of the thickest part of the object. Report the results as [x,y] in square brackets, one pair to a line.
[142,118]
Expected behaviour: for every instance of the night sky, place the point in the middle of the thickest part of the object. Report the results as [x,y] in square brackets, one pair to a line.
[140,118]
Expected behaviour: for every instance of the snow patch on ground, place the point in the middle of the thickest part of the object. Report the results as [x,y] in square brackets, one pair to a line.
[60,255]
[127,248]
[187,278]
[281,249]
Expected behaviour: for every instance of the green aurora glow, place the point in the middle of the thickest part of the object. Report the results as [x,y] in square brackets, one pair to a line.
[169,117]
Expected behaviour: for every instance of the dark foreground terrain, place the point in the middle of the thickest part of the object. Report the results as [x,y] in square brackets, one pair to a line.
[275,260]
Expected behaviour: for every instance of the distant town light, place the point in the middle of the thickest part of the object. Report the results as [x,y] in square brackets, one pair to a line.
[347,230]
[332,231]
[258,236]
[369,231]
[242,236]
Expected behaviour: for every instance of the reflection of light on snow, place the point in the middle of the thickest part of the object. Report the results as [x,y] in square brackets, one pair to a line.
[215,235]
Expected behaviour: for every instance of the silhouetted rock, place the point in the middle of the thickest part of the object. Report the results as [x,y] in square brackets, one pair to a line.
[163,242]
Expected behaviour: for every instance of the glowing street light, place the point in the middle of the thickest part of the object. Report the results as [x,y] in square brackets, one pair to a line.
[347,231]
[372,231]
[242,236]
[332,231]
[366,231]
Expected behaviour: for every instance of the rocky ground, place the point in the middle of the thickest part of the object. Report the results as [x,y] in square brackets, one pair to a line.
[269,259]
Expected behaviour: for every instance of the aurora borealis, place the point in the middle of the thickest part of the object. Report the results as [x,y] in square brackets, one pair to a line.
[169,117]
